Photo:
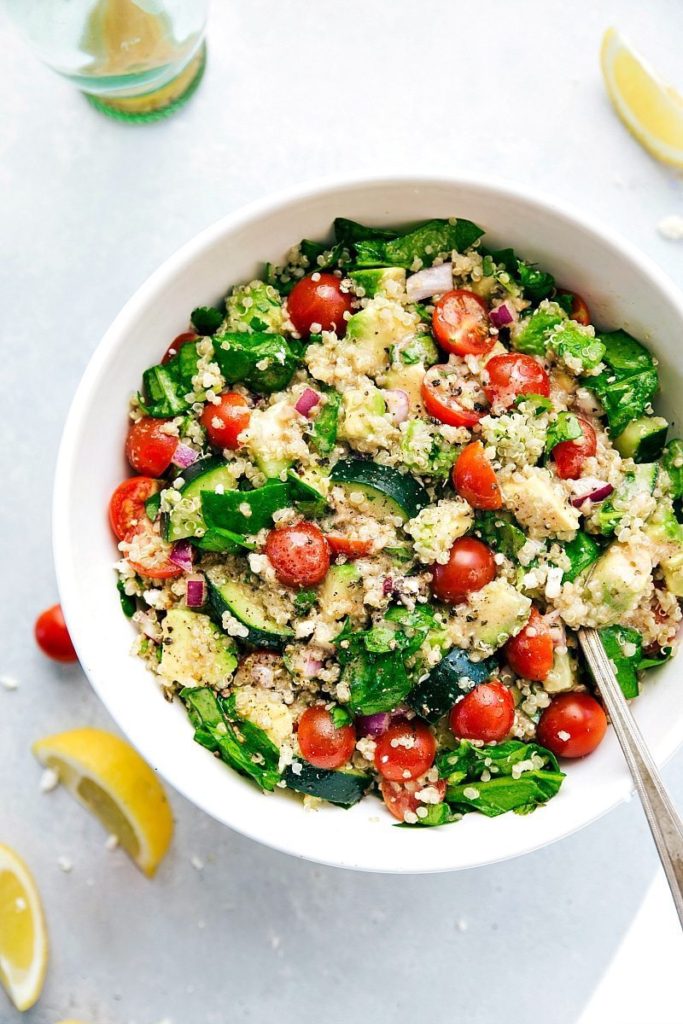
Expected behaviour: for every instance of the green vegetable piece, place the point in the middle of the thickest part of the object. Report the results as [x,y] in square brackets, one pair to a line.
[531,334]
[500,531]
[340,717]
[306,497]
[422,349]
[628,384]
[565,427]
[377,683]
[227,511]
[255,307]
[642,480]
[454,676]
[264,362]
[304,600]
[152,506]
[343,788]
[672,461]
[655,661]
[206,319]
[165,387]
[423,244]
[326,424]
[128,603]
[582,551]
[643,439]
[624,648]
[536,283]
[436,814]
[349,232]
[218,539]
[379,281]
[572,342]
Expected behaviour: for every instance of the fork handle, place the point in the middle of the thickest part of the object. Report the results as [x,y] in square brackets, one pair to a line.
[662,818]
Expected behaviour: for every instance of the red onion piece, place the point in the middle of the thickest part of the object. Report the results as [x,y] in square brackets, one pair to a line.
[398,403]
[387,585]
[597,494]
[430,281]
[308,399]
[182,555]
[502,315]
[195,593]
[311,666]
[373,725]
[184,456]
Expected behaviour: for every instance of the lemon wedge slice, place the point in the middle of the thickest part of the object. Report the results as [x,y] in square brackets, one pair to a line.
[23,936]
[650,108]
[108,777]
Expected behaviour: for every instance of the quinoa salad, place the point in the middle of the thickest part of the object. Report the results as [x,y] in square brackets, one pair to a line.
[377,491]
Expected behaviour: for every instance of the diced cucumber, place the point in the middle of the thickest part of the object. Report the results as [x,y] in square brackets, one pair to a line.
[246,604]
[343,788]
[641,481]
[399,492]
[643,439]
[186,518]
[455,675]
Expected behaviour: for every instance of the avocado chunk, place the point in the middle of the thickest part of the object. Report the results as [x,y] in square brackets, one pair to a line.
[341,592]
[364,410]
[667,533]
[194,651]
[255,307]
[539,503]
[617,583]
[372,332]
[493,614]
[563,675]
[387,281]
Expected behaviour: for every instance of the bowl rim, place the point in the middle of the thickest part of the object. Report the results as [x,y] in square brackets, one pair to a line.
[182,258]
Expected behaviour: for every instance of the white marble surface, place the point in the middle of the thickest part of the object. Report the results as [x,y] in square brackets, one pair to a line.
[88,208]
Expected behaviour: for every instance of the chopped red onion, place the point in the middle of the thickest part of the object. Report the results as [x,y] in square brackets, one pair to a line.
[387,585]
[596,495]
[182,554]
[195,593]
[311,666]
[428,282]
[502,315]
[373,725]
[398,403]
[184,456]
[308,399]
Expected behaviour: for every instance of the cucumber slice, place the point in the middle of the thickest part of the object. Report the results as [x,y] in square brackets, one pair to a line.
[246,604]
[400,493]
[343,788]
[455,675]
[186,519]
[643,439]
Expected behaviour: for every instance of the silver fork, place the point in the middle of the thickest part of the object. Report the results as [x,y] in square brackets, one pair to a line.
[663,820]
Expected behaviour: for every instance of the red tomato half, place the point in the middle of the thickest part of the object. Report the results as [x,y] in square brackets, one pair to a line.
[400,798]
[149,553]
[573,725]
[52,636]
[225,421]
[183,339]
[474,479]
[405,751]
[319,299]
[346,546]
[127,504]
[299,555]
[470,567]
[460,323]
[148,449]
[514,374]
[579,310]
[451,398]
[530,654]
[569,456]
[485,713]
[323,745]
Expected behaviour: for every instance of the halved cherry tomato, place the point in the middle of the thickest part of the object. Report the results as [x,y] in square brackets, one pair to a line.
[225,421]
[530,654]
[52,636]
[513,374]
[148,449]
[579,311]
[321,743]
[470,567]
[460,323]
[319,299]
[299,555]
[149,553]
[400,797]
[485,713]
[183,339]
[127,504]
[474,479]
[573,725]
[405,751]
[450,398]
[347,546]
[569,456]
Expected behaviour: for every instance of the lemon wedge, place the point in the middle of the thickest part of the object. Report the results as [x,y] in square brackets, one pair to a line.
[650,108]
[108,777]
[23,936]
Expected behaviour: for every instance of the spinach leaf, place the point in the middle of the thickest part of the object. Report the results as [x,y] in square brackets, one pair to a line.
[219,539]
[340,717]
[326,424]
[582,551]
[165,387]
[499,530]
[436,814]
[499,795]
[227,511]
[565,427]
[615,639]
[672,461]
[530,335]
[467,762]
[305,599]
[128,603]
[349,232]
[152,506]
[422,244]
[242,745]
[655,661]
[264,362]
[571,343]
[206,319]
[628,384]
[322,257]
[536,283]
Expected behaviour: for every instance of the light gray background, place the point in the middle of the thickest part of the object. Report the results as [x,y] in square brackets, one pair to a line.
[88,208]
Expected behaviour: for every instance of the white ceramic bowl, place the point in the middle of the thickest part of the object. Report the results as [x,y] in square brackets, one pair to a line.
[622,288]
